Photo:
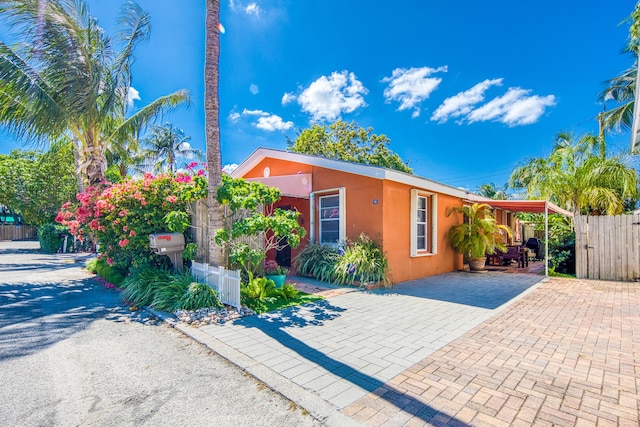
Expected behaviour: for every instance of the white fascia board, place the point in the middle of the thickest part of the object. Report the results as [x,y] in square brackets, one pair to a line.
[348,167]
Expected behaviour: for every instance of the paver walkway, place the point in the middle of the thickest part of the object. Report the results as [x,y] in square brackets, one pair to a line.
[353,343]
[567,354]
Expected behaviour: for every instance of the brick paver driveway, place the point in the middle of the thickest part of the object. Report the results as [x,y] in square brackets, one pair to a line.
[566,354]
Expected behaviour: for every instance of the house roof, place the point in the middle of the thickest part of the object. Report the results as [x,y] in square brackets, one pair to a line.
[355,168]
[532,206]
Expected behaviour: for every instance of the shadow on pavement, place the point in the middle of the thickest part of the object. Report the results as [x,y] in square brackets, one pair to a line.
[316,314]
[36,315]
[488,290]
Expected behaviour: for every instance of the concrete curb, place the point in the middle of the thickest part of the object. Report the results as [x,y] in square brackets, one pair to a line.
[317,407]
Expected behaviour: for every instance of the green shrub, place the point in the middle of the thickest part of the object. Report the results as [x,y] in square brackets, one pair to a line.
[287,292]
[169,293]
[51,237]
[257,291]
[317,261]
[91,265]
[199,295]
[363,261]
[141,286]
[109,273]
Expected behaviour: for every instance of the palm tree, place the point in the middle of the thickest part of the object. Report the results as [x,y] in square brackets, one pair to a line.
[212,126]
[579,176]
[622,89]
[491,191]
[166,145]
[65,77]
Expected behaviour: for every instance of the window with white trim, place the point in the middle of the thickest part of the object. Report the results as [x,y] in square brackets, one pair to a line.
[423,223]
[330,219]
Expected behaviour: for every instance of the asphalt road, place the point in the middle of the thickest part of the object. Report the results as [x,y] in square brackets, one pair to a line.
[71,354]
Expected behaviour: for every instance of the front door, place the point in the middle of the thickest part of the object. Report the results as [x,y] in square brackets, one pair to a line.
[283,255]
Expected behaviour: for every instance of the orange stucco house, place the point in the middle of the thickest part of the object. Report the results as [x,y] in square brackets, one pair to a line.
[339,200]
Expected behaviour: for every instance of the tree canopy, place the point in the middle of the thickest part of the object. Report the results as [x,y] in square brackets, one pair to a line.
[66,77]
[348,142]
[579,176]
[36,184]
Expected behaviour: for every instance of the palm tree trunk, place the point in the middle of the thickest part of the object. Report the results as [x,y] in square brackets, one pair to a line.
[212,127]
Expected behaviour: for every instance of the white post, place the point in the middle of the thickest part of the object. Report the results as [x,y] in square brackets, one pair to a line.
[546,239]
[312,219]
[634,120]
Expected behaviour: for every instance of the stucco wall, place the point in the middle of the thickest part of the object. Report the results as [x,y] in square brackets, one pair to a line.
[379,208]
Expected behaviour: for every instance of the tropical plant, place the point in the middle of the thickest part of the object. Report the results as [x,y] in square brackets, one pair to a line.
[287,292]
[122,216]
[579,176]
[492,191]
[317,261]
[363,261]
[272,268]
[256,291]
[165,146]
[480,234]
[212,125]
[253,217]
[65,77]
[197,296]
[349,142]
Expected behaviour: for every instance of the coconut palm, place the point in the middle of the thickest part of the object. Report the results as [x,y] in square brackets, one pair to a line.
[212,125]
[579,176]
[622,89]
[65,76]
[491,191]
[166,146]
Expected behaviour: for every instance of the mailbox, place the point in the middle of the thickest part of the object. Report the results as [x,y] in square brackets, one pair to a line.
[170,244]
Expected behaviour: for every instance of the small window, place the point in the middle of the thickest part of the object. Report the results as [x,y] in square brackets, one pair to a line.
[423,223]
[329,219]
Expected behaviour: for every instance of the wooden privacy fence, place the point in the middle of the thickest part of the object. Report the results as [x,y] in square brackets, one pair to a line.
[18,232]
[608,247]
[225,282]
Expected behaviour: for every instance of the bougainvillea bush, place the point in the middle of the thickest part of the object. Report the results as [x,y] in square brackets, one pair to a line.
[120,217]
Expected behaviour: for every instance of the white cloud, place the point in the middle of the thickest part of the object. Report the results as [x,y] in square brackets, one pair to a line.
[330,96]
[254,89]
[132,95]
[273,123]
[265,121]
[251,8]
[230,167]
[514,108]
[411,86]
[462,103]
[288,98]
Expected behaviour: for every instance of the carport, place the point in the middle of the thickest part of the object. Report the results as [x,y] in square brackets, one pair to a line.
[531,206]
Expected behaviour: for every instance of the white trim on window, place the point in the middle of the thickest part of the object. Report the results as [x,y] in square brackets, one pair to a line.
[427,244]
[317,215]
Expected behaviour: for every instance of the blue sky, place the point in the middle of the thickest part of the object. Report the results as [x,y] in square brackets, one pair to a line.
[464,90]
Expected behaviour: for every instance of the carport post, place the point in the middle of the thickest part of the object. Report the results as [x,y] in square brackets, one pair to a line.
[546,238]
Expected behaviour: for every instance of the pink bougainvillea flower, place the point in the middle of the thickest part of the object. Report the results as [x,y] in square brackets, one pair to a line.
[109,261]
[201,172]
[132,233]
[123,242]
[192,165]
[171,199]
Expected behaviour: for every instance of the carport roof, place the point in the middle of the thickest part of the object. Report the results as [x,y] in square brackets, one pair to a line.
[531,206]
